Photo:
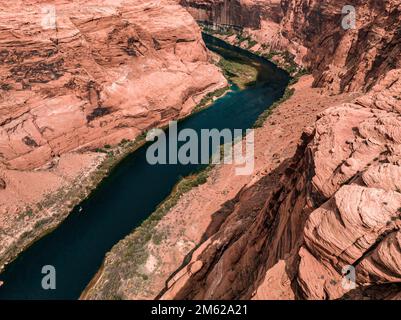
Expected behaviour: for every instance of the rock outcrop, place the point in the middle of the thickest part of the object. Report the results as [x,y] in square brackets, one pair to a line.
[312,33]
[337,205]
[84,74]
[345,59]
[77,75]
[137,268]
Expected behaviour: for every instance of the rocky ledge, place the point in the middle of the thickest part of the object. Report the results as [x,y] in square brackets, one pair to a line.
[337,204]
[76,76]
[295,227]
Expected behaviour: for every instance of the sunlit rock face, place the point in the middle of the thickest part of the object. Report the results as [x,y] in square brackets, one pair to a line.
[338,203]
[76,76]
[341,59]
[225,12]
[85,73]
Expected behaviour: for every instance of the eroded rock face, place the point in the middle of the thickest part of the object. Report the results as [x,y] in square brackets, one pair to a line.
[345,59]
[75,76]
[337,205]
[312,31]
[84,74]
[239,13]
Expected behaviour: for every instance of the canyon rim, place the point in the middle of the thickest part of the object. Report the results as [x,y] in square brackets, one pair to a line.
[82,81]
[106,72]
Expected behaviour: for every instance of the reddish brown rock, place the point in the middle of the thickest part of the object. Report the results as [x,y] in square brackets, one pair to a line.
[312,33]
[77,75]
[104,72]
[289,231]
[338,204]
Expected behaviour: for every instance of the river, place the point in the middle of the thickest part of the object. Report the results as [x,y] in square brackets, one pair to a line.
[131,192]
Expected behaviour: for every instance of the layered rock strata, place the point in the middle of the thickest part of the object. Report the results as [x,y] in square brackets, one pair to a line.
[337,204]
[76,76]
[313,34]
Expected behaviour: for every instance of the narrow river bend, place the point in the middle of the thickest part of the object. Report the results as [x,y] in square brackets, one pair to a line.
[132,192]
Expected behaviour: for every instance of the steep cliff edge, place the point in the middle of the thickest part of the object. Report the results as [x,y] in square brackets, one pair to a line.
[288,230]
[76,76]
[312,33]
[337,201]
[345,60]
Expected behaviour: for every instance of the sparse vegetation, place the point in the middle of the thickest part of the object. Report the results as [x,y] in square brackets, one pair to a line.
[100,150]
[241,74]
[285,58]
[64,199]
[251,43]
[209,98]
[131,251]
[262,118]
[130,254]
[270,55]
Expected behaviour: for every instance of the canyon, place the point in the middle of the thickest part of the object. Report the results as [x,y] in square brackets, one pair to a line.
[314,206]
[126,198]
[337,201]
[77,78]
[326,190]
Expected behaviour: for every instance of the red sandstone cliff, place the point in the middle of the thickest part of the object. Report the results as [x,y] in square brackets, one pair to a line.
[338,200]
[76,75]
[341,60]
[105,71]
[337,203]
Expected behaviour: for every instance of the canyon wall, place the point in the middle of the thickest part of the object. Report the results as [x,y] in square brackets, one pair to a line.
[103,72]
[238,13]
[79,75]
[312,31]
[337,203]
[338,199]
[345,59]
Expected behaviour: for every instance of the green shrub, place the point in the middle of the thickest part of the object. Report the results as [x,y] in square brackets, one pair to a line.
[251,43]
